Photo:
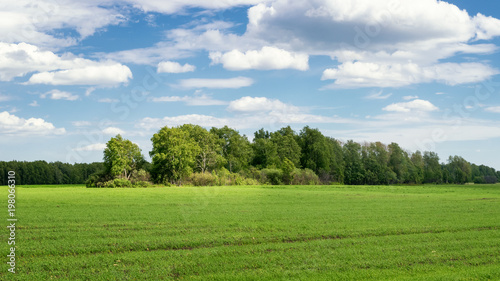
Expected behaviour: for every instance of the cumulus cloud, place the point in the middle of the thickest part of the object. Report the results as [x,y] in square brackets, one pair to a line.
[102,74]
[34,21]
[231,83]
[248,112]
[379,43]
[414,105]
[265,59]
[364,74]
[59,95]
[174,67]
[13,125]
[92,147]
[113,131]
[17,60]
[259,104]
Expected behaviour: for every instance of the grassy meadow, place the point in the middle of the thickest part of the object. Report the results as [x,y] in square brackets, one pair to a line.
[256,233]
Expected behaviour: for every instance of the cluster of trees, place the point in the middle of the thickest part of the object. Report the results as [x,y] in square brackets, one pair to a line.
[41,172]
[190,153]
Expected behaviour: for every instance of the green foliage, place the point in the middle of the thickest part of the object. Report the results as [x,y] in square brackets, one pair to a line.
[41,172]
[272,176]
[235,148]
[304,177]
[432,169]
[174,155]
[459,170]
[204,179]
[122,157]
[288,167]
[354,170]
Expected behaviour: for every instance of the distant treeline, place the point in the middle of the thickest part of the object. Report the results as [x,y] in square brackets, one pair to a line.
[41,172]
[190,154]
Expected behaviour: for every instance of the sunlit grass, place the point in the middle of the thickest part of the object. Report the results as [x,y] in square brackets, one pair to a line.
[256,233]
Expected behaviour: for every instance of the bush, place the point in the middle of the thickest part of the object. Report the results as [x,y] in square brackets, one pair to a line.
[142,184]
[141,175]
[272,176]
[122,182]
[203,179]
[304,177]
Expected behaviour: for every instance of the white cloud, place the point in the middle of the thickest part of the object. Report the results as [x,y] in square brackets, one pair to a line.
[59,95]
[172,6]
[378,96]
[196,100]
[410,97]
[174,67]
[89,91]
[202,120]
[259,104]
[108,100]
[248,112]
[414,105]
[81,123]
[494,109]
[231,83]
[5,98]
[92,147]
[103,75]
[266,59]
[379,43]
[17,60]
[13,125]
[36,21]
[34,104]
[361,74]
[113,131]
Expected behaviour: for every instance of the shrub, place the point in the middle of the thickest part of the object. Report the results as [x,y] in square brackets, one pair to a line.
[203,179]
[120,182]
[272,176]
[140,175]
[142,184]
[304,177]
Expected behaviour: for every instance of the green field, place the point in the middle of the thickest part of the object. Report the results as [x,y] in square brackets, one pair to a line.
[257,233]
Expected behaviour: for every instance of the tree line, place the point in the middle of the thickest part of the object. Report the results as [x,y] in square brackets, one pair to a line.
[191,154]
[41,172]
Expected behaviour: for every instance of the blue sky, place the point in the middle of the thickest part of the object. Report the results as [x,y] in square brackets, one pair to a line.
[424,74]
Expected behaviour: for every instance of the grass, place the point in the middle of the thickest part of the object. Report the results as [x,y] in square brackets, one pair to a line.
[257,233]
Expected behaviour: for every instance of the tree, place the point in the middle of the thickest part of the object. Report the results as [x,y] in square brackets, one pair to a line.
[265,151]
[459,170]
[235,148]
[121,157]
[417,169]
[285,140]
[209,156]
[432,169]
[375,160]
[316,154]
[354,170]
[174,154]
[398,162]
[288,167]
